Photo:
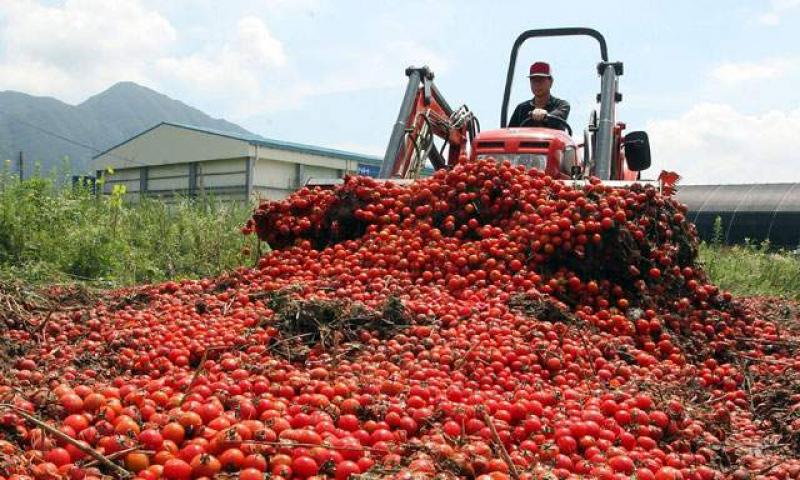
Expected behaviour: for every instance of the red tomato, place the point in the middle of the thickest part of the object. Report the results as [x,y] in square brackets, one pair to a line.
[177,469]
[304,466]
[58,457]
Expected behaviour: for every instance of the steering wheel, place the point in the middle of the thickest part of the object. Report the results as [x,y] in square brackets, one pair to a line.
[559,120]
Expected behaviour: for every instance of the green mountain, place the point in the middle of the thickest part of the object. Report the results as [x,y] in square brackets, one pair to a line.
[47,131]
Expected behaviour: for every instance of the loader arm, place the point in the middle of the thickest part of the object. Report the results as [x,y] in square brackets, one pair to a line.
[425,115]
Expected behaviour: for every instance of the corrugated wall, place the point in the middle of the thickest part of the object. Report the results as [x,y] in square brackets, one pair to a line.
[756,212]
[222,179]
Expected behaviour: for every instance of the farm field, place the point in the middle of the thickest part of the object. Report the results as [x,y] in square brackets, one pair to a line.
[50,235]
[315,240]
[448,329]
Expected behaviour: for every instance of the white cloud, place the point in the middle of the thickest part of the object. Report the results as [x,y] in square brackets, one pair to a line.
[79,46]
[715,143]
[770,19]
[252,76]
[777,9]
[255,45]
[733,73]
[292,5]
[233,68]
[356,69]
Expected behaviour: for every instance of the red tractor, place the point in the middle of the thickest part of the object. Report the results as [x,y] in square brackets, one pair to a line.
[425,115]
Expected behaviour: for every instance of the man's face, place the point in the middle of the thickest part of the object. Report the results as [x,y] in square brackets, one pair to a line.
[540,86]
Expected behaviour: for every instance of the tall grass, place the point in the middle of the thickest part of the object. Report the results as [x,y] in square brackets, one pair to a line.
[53,233]
[752,268]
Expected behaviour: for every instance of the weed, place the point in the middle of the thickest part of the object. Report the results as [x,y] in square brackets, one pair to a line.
[51,232]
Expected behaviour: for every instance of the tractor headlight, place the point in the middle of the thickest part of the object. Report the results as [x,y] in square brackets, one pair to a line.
[528,160]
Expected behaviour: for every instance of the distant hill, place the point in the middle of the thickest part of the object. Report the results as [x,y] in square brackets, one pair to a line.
[47,130]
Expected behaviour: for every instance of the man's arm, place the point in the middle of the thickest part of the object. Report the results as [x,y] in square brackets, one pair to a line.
[561,111]
[518,116]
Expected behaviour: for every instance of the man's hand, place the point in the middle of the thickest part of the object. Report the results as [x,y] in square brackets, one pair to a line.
[538,114]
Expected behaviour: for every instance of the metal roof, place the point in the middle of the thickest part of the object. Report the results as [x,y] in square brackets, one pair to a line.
[254,139]
[749,211]
[754,197]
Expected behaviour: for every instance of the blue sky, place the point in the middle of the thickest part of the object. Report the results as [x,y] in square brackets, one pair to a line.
[714,83]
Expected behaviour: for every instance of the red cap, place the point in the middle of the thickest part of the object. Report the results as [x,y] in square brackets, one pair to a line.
[540,69]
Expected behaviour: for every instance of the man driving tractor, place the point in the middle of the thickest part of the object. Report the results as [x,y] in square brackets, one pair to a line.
[535,112]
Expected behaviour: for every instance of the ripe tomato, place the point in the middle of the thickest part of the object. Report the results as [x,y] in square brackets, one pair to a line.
[256,461]
[304,466]
[622,464]
[232,459]
[151,439]
[205,465]
[177,469]
[71,402]
[251,474]
[668,473]
[77,422]
[58,457]
[173,431]
[346,468]
[136,462]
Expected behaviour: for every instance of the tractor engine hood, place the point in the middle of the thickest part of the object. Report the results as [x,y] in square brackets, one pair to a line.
[546,149]
[521,140]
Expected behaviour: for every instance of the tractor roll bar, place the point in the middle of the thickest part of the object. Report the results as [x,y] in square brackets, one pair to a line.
[544,32]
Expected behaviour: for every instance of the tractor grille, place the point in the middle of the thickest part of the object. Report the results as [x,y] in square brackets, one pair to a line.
[500,144]
[529,144]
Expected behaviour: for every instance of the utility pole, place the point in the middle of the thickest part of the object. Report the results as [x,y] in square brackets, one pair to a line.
[20,165]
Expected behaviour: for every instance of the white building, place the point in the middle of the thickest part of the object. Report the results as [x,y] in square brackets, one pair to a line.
[171,159]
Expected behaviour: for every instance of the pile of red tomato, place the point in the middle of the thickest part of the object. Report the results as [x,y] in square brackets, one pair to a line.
[643,374]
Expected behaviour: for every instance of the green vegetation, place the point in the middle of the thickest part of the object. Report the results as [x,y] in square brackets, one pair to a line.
[51,234]
[752,268]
